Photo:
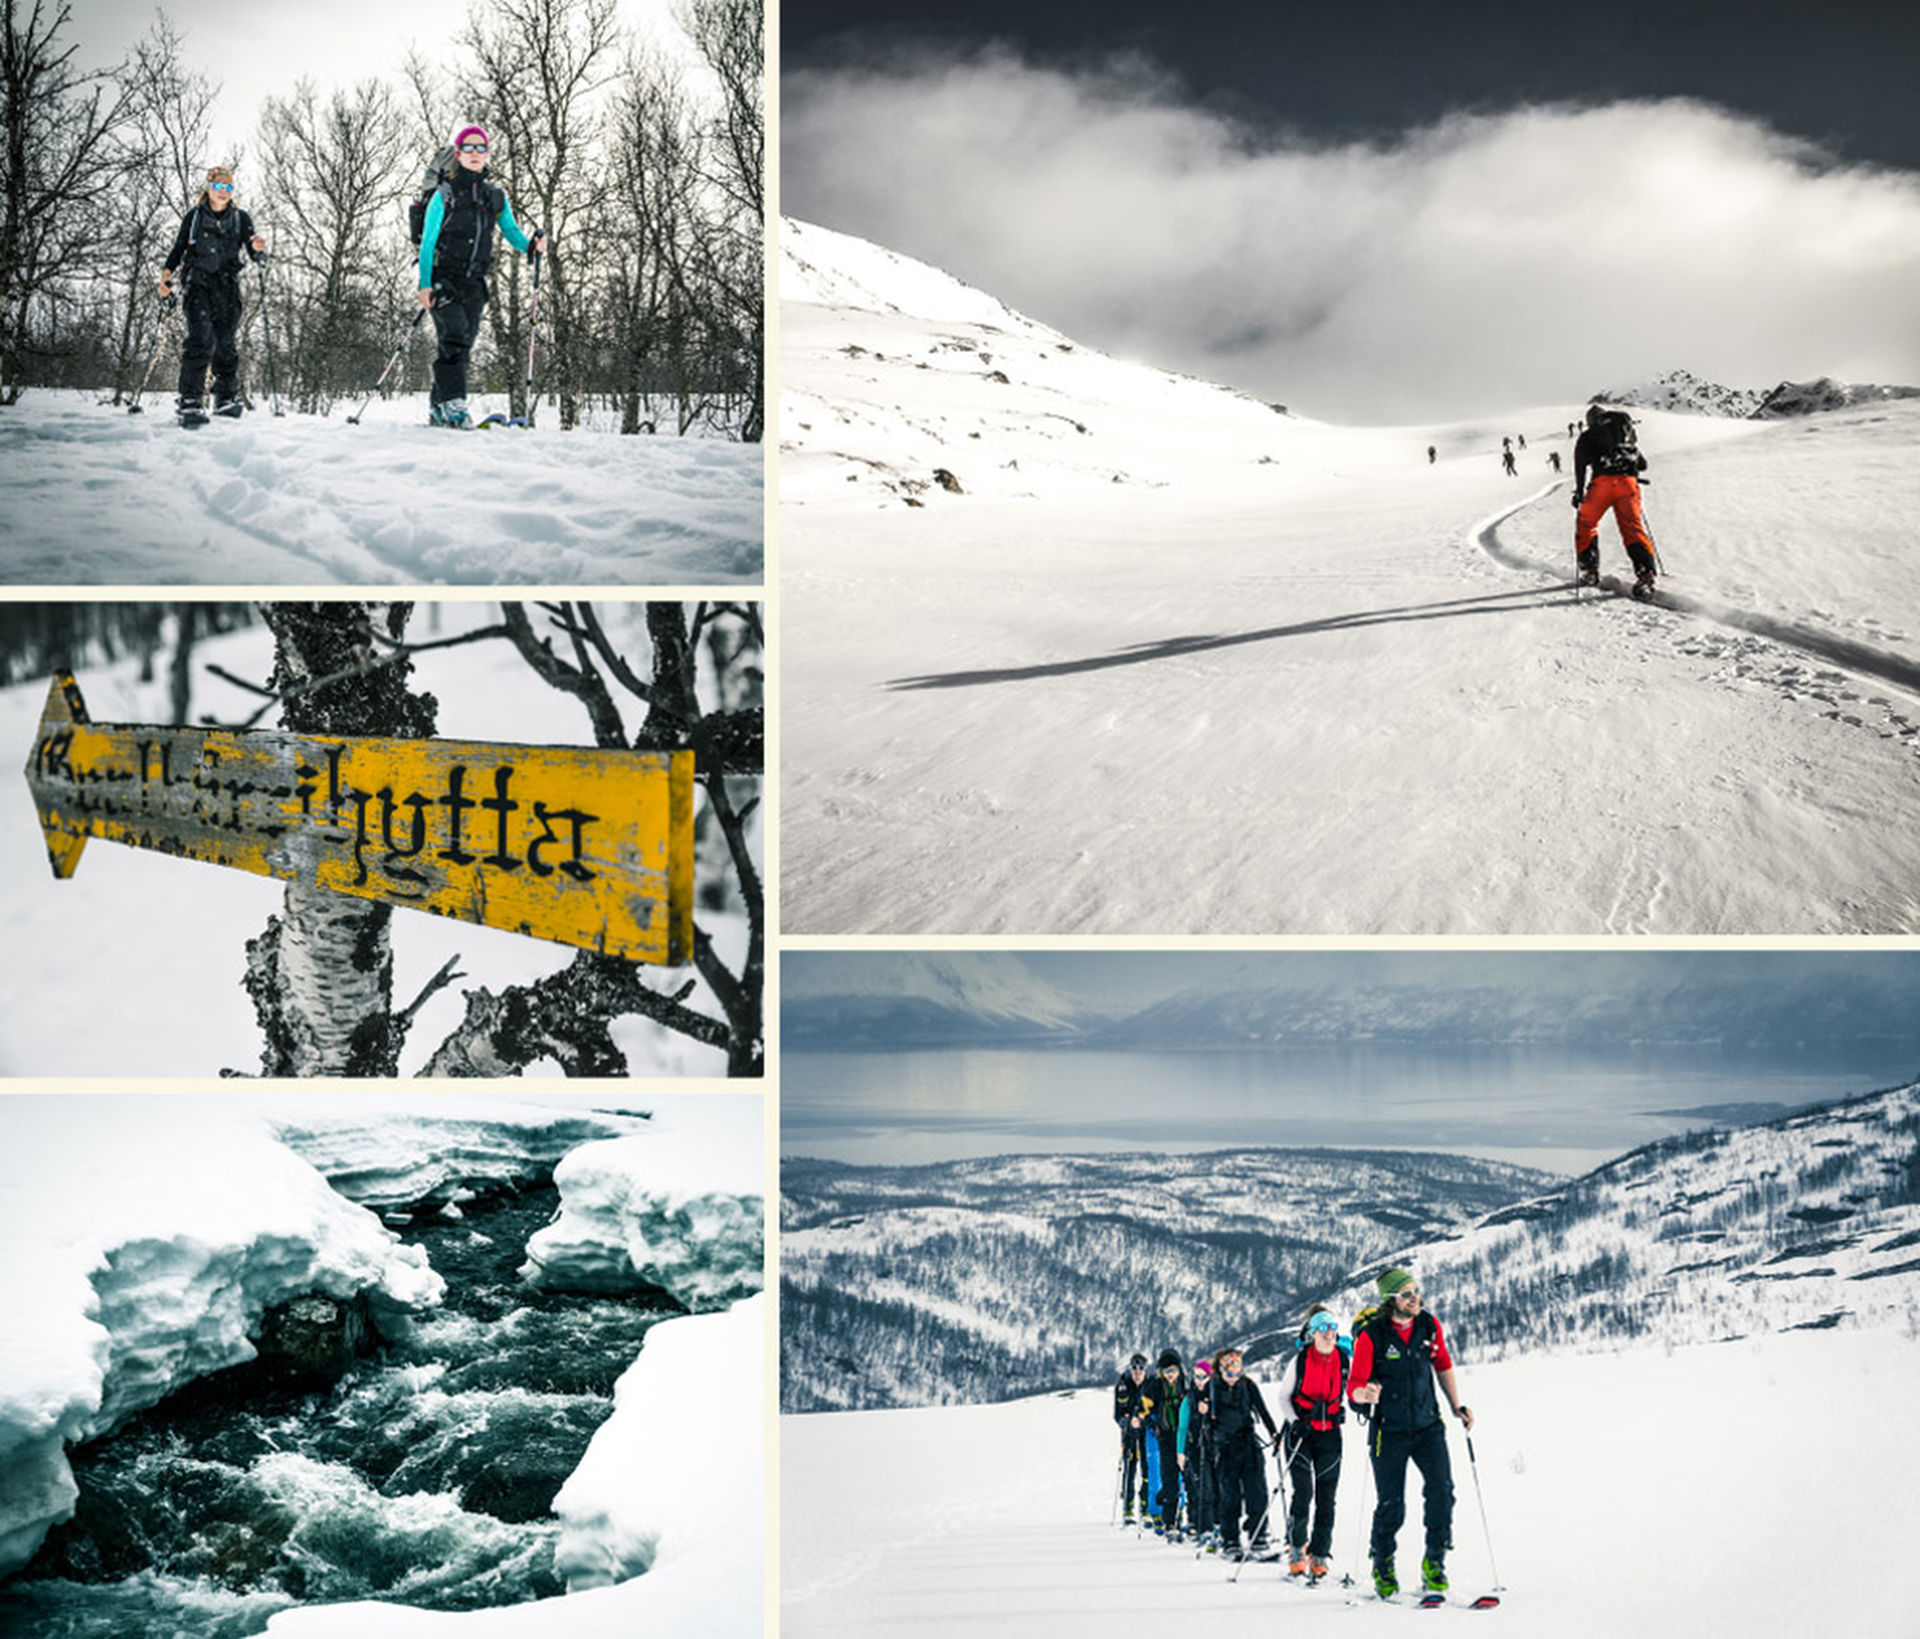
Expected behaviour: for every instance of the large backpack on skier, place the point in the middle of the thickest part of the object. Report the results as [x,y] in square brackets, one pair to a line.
[438,173]
[1616,445]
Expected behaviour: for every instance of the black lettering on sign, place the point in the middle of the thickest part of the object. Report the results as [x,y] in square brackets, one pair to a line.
[455,805]
[546,816]
[388,807]
[502,805]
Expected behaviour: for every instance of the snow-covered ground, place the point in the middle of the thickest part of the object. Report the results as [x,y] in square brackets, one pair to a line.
[1758,1487]
[680,1205]
[1171,661]
[112,934]
[90,495]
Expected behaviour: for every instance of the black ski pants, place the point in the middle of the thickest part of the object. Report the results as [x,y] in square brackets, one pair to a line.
[212,311]
[1426,1448]
[457,306]
[1203,1512]
[1313,1470]
[1243,1491]
[1133,1468]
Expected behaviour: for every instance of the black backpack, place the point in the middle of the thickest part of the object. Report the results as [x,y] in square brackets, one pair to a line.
[1617,449]
[438,172]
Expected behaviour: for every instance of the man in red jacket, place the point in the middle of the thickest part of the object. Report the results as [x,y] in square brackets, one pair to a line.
[1400,1359]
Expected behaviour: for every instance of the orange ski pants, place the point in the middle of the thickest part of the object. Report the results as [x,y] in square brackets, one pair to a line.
[1620,494]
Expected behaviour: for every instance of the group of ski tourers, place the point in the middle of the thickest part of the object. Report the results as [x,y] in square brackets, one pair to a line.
[1193,1455]
[452,220]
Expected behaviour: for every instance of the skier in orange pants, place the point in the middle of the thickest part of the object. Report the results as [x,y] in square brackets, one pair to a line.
[1608,450]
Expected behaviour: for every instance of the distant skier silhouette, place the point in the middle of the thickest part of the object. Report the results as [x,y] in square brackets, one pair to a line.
[1506,460]
[1430,455]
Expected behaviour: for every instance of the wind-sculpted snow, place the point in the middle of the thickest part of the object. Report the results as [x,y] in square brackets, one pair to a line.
[90,495]
[141,1241]
[679,1206]
[1812,1220]
[981,1280]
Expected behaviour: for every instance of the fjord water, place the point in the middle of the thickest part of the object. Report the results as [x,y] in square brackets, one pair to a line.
[1561,1109]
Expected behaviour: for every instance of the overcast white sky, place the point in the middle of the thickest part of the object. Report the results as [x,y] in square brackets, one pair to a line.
[263,48]
[1488,261]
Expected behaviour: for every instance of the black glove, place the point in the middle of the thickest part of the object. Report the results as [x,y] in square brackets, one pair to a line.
[1578,497]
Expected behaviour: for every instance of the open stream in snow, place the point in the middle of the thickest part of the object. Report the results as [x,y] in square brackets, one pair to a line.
[426,1476]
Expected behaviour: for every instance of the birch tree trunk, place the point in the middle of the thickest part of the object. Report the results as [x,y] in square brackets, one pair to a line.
[321,976]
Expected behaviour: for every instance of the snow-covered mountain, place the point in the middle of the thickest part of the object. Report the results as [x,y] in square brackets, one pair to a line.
[897,998]
[1150,658]
[1682,391]
[1792,398]
[1685,392]
[982,1280]
[1812,1220]
[1666,998]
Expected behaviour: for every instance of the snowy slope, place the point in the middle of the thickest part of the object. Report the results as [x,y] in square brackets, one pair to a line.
[1650,1492]
[1171,662]
[1810,1221]
[90,495]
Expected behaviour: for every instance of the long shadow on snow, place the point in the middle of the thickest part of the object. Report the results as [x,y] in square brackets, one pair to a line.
[1808,640]
[1170,648]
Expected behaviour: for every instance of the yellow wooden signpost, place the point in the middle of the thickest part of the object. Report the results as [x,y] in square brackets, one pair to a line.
[586,847]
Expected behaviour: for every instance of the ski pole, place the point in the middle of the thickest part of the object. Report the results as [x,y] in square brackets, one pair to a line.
[266,324]
[399,352]
[168,303]
[1480,1497]
[1366,1496]
[1119,1479]
[533,321]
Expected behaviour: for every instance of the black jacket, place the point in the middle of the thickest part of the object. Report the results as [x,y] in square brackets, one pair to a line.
[1235,1406]
[1130,1399]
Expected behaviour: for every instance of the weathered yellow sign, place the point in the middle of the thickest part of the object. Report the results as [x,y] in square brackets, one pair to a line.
[586,847]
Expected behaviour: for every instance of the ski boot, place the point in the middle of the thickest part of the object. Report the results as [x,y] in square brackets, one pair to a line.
[450,412]
[1587,566]
[1385,1583]
[190,412]
[1433,1573]
[1296,1561]
[229,407]
[1643,587]
[1316,1567]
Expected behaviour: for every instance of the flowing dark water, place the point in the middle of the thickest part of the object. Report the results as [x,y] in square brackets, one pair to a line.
[425,1477]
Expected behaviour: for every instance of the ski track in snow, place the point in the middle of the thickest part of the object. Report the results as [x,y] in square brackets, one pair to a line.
[1811,641]
[92,496]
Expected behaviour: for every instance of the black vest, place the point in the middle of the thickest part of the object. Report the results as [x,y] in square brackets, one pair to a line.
[1404,1372]
[471,205]
[215,240]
